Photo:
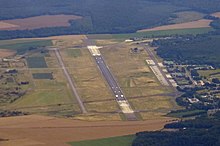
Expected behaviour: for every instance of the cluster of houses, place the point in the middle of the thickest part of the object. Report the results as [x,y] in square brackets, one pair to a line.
[197,90]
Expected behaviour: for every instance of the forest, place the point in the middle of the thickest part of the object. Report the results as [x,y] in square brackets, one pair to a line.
[202,131]
[200,50]
[99,16]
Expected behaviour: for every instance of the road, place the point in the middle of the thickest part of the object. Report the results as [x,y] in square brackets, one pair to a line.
[70,81]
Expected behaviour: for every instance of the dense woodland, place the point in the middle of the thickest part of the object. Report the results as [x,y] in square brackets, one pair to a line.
[99,16]
[203,131]
[201,49]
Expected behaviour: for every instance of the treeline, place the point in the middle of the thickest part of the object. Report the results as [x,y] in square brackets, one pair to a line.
[203,131]
[201,49]
[216,24]
[99,16]
[205,6]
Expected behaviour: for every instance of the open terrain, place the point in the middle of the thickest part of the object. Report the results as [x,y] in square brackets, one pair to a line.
[186,16]
[112,141]
[203,23]
[6,53]
[217,14]
[138,83]
[50,131]
[4,25]
[37,22]
[90,84]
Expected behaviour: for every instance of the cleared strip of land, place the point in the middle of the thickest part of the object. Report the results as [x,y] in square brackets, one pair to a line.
[72,86]
[113,85]
[203,23]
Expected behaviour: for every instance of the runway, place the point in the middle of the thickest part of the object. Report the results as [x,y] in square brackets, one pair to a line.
[113,85]
[70,81]
[109,78]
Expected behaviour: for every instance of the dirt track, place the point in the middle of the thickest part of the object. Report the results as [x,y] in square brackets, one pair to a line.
[49,131]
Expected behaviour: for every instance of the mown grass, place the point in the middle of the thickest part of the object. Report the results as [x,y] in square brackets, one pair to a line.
[187,16]
[136,80]
[185,113]
[193,31]
[210,73]
[36,62]
[22,46]
[74,52]
[42,75]
[113,141]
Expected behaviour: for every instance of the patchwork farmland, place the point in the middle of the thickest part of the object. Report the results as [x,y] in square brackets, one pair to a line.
[36,62]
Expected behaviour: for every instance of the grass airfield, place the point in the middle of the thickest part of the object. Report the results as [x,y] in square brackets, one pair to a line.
[52,97]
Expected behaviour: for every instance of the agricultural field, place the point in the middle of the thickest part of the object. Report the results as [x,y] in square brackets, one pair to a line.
[217,14]
[113,141]
[153,33]
[42,76]
[36,62]
[45,87]
[47,97]
[4,25]
[23,46]
[50,131]
[138,83]
[6,53]
[186,16]
[202,23]
[37,22]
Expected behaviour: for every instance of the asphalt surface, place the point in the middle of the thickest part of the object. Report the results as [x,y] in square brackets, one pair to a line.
[116,90]
[153,57]
[71,84]
[109,78]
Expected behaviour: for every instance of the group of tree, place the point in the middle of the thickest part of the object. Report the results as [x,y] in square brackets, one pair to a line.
[202,131]
[200,49]
[99,16]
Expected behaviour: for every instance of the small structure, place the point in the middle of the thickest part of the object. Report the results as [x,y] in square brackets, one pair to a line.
[168,76]
[128,41]
[150,62]
[168,63]
[193,100]
[11,71]
[135,50]
[161,64]
[200,83]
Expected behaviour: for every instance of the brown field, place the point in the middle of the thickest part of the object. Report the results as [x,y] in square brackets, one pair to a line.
[4,25]
[6,53]
[202,23]
[216,14]
[49,131]
[37,22]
